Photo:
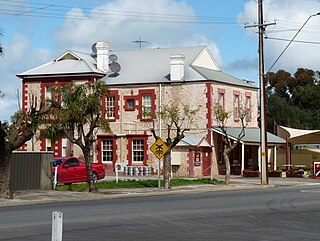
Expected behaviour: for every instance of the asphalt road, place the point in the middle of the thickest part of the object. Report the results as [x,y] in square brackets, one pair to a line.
[284,213]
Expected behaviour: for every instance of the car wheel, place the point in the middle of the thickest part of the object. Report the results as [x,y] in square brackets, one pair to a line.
[95,176]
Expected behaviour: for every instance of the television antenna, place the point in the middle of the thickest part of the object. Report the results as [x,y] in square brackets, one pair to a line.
[139,42]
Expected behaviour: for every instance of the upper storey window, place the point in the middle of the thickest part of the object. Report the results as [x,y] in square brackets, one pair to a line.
[110,107]
[236,106]
[146,106]
[248,107]
[221,98]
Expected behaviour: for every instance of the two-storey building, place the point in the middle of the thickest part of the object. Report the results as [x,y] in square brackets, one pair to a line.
[142,81]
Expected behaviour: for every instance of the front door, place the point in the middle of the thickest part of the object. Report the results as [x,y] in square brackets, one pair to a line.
[206,162]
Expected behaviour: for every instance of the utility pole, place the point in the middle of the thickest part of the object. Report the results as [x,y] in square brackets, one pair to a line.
[263,130]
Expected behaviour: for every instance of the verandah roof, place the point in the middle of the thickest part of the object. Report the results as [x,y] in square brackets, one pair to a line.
[252,136]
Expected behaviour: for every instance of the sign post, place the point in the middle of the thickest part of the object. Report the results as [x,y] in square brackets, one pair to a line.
[159,149]
[316,169]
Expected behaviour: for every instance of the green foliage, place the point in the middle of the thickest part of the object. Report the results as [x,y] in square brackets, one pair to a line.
[20,119]
[75,107]
[180,116]
[294,101]
[220,115]
[51,133]
[137,184]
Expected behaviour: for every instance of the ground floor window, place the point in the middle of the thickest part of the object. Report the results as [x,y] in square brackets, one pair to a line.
[137,150]
[107,151]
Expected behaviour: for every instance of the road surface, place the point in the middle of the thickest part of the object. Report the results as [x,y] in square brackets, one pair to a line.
[284,213]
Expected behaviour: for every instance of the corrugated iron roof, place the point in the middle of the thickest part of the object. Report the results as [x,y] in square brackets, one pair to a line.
[152,65]
[195,141]
[252,135]
[137,67]
[220,76]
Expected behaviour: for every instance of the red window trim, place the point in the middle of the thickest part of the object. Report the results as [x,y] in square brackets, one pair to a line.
[114,146]
[115,93]
[130,139]
[222,91]
[125,106]
[236,117]
[248,94]
[153,104]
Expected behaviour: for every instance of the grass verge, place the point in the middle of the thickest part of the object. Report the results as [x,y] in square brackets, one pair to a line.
[137,184]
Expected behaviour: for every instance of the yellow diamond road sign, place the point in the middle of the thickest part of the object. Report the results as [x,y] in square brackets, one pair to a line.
[159,148]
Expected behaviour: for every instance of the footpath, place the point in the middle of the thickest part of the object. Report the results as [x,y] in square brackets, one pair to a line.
[48,196]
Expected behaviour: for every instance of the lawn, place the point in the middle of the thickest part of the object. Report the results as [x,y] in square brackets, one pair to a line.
[137,184]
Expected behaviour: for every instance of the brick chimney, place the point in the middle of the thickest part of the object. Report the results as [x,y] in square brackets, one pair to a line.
[103,56]
[177,67]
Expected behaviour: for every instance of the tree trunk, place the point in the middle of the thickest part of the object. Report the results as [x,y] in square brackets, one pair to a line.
[5,177]
[214,165]
[227,162]
[88,160]
[167,170]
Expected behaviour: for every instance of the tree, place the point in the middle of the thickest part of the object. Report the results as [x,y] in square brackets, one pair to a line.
[222,117]
[76,114]
[177,122]
[293,101]
[13,136]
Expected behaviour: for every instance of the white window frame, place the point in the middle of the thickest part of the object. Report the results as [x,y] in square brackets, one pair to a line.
[248,107]
[146,105]
[64,143]
[137,151]
[107,151]
[48,92]
[110,107]
[48,145]
[221,100]
[236,107]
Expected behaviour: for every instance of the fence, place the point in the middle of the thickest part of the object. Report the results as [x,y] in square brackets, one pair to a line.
[31,170]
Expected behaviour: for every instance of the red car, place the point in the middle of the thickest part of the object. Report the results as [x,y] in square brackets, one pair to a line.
[72,169]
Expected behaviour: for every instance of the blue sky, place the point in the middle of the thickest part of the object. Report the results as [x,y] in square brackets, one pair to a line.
[36,32]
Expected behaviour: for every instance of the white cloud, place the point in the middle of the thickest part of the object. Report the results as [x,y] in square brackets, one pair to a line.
[121,21]
[290,16]
[19,56]
[201,39]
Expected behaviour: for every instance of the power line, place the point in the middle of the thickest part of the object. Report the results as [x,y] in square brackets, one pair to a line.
[58,11]
[295,41]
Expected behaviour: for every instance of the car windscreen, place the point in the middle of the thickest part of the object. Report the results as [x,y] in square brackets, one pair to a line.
[56,162]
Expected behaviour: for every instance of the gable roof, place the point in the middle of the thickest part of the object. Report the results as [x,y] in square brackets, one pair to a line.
[152,65]
[220,76]
[194,141]
[145,66]
[70,62]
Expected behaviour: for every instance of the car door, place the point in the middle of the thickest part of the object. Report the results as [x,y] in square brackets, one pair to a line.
[71,170]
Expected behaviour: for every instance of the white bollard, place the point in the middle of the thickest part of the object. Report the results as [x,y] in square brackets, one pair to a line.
[55,177]
[57,219]
[117,175]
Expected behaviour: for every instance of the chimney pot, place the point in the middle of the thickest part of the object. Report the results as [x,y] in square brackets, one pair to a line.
[103,56]
[177,67]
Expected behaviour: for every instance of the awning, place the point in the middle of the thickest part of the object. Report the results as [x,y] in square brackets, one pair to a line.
[298,136]
[252,136]
[194,141]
